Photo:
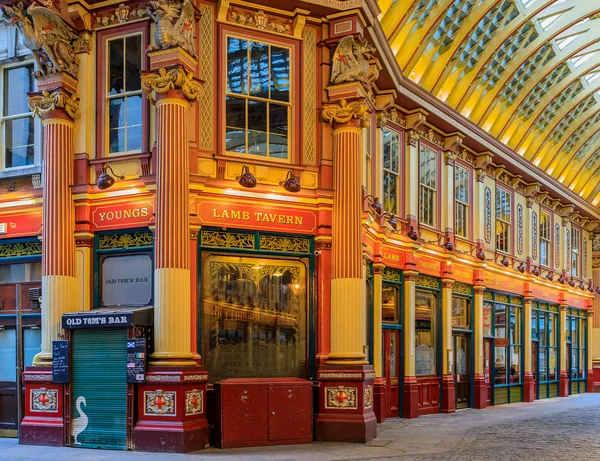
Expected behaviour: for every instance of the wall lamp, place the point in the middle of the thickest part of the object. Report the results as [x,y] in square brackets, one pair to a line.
[521,267]
[375,204]
[479,254]
[590,286]
[504,261]
[105,180]
[246,179]
[291,183]
[561,279]
[536,271]
[448,245]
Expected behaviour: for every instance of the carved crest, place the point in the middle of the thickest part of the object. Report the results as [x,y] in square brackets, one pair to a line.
[48,37]
[174,25]
[350,61]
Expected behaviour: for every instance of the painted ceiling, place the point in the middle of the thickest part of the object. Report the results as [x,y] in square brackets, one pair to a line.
[526,71]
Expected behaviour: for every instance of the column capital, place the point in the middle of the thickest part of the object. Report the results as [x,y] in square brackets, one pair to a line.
[343,112]
[447,283]
[48,102]
[176,79]
[410,276]
[478,290]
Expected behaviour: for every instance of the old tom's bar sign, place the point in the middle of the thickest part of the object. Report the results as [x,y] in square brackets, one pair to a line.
[121,215]
[253,217]
[96,320]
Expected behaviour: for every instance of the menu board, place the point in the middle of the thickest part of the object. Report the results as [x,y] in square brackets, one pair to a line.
[136,360]
[60,361]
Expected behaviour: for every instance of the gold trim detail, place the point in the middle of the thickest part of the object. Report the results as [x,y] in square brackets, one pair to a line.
[128,240]
[226,240]
[344,112]
[284,244]
[206,58]
[427,282]
[310,96]
[487,295]
[159,403]
[194,402]
[391,275]
[11,250]
[47,101]
[461,288]
[341,397]
[175,78]
[368,396]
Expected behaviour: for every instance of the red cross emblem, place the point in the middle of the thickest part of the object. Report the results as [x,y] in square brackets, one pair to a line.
[194,401]
[159,402]
[341,397]
[44,399]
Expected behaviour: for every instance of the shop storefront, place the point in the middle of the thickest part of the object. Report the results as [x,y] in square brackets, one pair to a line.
[392,314]
[545,340]
[506,354]
[428,352]
[462,343]
[576,349]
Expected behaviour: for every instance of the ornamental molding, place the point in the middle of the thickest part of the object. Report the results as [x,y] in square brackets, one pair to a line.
[596,243]
[122,14]
[480,175]
[429,135]
[534,243]
[350,62]
[194,402]
[174,25]
[27,377]
[368,396]
[345,111]
[126,240]
[195,377]
[488,215]
[341,397]
[41,104]
[465,156]
[260,20]
[413,138]
[163,378]
[449,158]
[12,250]
[596,262]
[175,78]
[44,400]
[160,403]
[390,116]
[332,375]
[519,229]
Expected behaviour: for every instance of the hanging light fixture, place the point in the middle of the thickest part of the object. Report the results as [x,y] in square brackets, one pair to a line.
[246,179]
[393,223]
[291,183]
[521,267]
[504,261]
[105,180]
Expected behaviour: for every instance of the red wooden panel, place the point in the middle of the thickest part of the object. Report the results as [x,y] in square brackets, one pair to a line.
[429,395]
[290,415]
[243,414]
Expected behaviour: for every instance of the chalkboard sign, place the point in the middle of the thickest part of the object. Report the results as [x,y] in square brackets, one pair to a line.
[136,360]
[60,361]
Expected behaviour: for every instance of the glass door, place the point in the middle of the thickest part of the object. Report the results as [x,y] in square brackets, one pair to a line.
[391,344]
[487,372]
[534,367]
[461,370]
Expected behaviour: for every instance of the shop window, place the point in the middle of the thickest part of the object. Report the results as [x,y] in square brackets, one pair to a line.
[8,357]
[254,321]
[507,340]
[425,333]
[390,304]
[503,219]
[126,280]
[20,132]
[461,308]
[545,238]
[258,99]
[461,201]
[122,108]
[575,252]
[577,336]
[545,331]
[391,171]
[428,186]
[487,318]
[21,272]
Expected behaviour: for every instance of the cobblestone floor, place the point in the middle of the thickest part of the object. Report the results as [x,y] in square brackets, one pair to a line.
[554,429]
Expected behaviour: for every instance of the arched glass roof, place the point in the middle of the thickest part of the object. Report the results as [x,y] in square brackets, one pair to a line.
[526,71]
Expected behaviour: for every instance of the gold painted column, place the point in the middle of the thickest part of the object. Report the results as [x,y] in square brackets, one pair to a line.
[528,382]
[563,385]
[175,89]
[377,318]
[590,352]
[410,398]
[479,385]
[57,109]
[448,390]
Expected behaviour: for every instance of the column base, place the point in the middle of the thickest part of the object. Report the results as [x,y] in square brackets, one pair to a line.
[590,381]
[596,376]
[563,384]
[410,407]
[346,404]
[43,423]
[379,399]
[528,387]
[480,392]
[172,410]
[448,394]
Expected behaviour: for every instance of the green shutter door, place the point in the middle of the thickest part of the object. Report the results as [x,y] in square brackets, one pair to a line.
[99,389]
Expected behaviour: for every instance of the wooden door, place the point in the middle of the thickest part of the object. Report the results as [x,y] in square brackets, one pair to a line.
[535,360]
[461,370]
[392,351]
[570,362]
[487,370]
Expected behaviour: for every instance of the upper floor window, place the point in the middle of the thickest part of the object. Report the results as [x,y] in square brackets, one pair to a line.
[545,238]
[19,128]
[575,251]
[461,201]
[258,99]
[503,219]
[428,186]
[123,112]
[391,171]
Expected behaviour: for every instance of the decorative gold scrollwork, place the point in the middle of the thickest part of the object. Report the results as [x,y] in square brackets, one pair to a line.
[345,111]
[47,101]
[175,78]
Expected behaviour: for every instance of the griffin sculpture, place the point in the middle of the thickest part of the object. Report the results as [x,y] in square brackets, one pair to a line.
[169,34]
[48,37]
[350,61]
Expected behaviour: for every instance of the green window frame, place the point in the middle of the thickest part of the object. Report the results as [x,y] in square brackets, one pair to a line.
[576,328]
[545,329]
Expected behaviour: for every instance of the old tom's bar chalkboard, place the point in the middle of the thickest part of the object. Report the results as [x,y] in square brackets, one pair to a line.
[60,361]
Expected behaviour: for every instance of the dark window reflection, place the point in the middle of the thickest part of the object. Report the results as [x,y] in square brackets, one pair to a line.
[18,125]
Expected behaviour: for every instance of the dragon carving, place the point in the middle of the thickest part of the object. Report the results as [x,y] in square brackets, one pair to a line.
[350,61]
[169,34]
[48,37]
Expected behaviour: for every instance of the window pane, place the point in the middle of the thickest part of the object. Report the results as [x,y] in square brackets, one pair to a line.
[500,365]
[8,355]
[259,69]
[237,65]
[390,304]
[389,192]
[393,355]
[278,126]
[425,333]
[19,137]
[487,319]
[18,81]
[552,363]
[32,345]
[461,220]
[582,363]
[117,108]
[542,376]
[257,127]
[460,312]
[115,66]
[280,74]
[542,327]
[235,131]
[254,317]
[133,66]
[515,364]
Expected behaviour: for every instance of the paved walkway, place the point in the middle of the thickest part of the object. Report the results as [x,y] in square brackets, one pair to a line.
[554,429]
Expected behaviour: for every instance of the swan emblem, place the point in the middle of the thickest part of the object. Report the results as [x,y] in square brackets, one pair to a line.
[79,424]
